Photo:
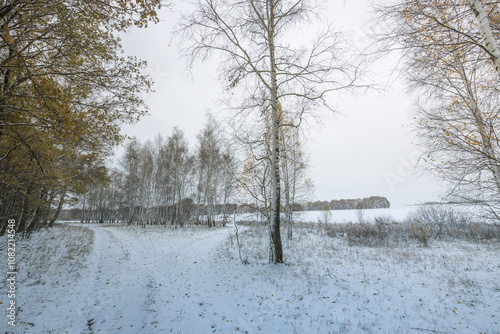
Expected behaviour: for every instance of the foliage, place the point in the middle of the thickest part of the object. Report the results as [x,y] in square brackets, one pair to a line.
[65,89]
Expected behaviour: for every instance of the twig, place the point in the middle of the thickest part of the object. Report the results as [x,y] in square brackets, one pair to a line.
[329,273]
[429,330]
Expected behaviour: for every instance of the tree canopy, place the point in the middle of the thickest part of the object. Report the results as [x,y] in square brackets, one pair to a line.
[65,89]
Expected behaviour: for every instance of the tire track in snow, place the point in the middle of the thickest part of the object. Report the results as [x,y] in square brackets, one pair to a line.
[142,281]
[119,291]
[181,268]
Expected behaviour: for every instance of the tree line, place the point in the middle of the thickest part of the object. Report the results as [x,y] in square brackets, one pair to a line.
[165,182]
[372,202]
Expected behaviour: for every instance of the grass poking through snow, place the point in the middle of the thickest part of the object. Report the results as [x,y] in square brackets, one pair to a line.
[387,287]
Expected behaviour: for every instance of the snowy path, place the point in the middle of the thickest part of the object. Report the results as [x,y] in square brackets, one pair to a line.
[142,282]
[117,286]
[132,281]
[173,281]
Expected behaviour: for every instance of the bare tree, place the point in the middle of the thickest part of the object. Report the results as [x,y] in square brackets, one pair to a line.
[209,165]
[265,69]
[296,186]
[130,166]
[215,169]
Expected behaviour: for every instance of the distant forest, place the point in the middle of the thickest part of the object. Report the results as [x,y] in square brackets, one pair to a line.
[373,202]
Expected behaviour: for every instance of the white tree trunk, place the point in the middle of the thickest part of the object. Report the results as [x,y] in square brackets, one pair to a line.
[276,250]
[487,35]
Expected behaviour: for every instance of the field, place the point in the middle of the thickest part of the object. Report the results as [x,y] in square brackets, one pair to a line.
[127,279]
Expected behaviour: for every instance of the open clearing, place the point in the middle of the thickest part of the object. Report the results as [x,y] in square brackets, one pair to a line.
[126,279]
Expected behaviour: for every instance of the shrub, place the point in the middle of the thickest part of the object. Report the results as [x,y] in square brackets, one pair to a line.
[421,232]
[423,225]
[445,222]
[384,233]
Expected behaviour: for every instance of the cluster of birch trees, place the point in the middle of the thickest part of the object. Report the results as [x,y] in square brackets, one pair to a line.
[165,182]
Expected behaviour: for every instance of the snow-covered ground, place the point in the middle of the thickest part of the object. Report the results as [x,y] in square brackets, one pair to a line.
[368,215]
[342,216]
[127,279]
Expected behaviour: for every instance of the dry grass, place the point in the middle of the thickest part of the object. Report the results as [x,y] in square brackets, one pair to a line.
[426,227]
[50,251]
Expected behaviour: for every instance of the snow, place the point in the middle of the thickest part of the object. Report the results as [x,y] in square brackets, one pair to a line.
[128,279]
[345,216]
[397,214]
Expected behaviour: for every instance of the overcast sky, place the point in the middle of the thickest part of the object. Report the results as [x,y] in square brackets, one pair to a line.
[364,151]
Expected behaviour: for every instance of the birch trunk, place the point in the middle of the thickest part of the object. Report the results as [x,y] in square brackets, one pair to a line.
[486,34]
[83,209]
[292,202]
[276,250]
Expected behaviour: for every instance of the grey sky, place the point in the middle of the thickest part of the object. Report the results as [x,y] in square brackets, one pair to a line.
[365,151]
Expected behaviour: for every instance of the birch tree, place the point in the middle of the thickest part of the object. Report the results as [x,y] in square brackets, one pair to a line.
[296,186]
[450,60]
[209,165]
[215,169]
[181,165]
[264,66]
[130,166]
